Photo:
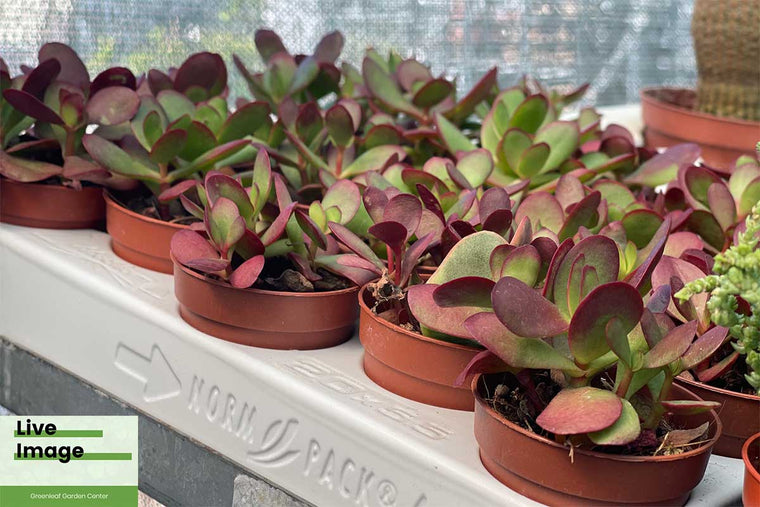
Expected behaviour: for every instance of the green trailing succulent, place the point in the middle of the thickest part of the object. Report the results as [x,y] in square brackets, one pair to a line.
[734,290]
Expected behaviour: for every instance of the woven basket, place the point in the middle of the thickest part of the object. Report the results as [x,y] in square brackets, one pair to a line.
[726,37]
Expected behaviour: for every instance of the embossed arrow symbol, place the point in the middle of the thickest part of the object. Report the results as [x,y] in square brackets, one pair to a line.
[154,371]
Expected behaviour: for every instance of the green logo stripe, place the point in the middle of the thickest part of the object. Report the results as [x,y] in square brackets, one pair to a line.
[65,434]
[68,496]
[88,456]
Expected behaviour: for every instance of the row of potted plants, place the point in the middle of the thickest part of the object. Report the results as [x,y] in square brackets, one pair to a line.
[583,295]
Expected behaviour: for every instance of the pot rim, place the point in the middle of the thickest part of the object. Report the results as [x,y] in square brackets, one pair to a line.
[718,390]
[52,188]
[646,96]
[276,293]
[112,203]
[745,456]
[364,308]
[596,454]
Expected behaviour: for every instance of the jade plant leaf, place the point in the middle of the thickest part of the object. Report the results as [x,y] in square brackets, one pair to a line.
[469,257]
[704,347]
[26,171]
[623,431]
[193,250]
[248,272]
[384,89]
[465,291]
[225,225]
[446,320]
[580,410]
[671,346]
[112,105]
[452,137]
[663,167]
[689,407]
[373,160]
[562,138]
[117,160]
[524,311]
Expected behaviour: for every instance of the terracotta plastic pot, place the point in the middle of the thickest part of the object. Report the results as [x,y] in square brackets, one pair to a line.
[51,206]
[669,119]
[139,239]
[751,456]
[739,413]
[411,365]
[541,469]
[262,318]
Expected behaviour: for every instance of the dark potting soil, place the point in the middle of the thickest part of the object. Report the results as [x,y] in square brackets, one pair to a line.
[390,304]
[513,400]
[146,204]
[279,275]
[683,98]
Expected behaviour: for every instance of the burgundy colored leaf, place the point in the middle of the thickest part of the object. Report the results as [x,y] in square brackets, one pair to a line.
[375,201]
[484,361]
[704,347]
[355,244]
[465,291]
[40,78]
[311,229]
[413,254]
[31,106]
[524,311]
[204,70]
[583,214]
[672,346]
[115,76]
[392,234]
[175,191]
[247,273]
[277,227]
[187,246]
[658,301]
[268,43]
[73,71]
[404,209]
[718,369]
[449,321]
[430,201]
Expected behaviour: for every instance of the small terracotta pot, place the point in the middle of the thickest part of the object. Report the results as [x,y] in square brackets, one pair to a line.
[51,206]
[739,413]
[750,454]
[669,119]
[411,365]
[138,239]
[542,469]
[263,318]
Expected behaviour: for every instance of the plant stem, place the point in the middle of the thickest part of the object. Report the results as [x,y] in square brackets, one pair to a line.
[68,149]
[525,380]
[625,381]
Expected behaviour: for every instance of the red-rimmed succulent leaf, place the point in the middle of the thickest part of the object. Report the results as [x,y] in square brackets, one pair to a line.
[530,114]
[562,137]
[640,226]
[474,97]
[543,210]
[40,78]
[678,242]
[432,93]
[277,227]
[346,197]
[193,250]
[449,321]
[26,171]
[329,47]
[412,256]
[580,410]
[722,204]
[718,369]
[115,76]
[247,273]
[341,265]
[707,226]
[451,136]
[249,245]
[587,331]
[663,168]
[175,191]
[465,291]
[117,160]
[168,146]
[30,105]
[515,351]
[689,407]
[209,159]
[225,225]
[404,209]
[393,234]
[204,70]
[355,244]
[384,89]
[704,347]
[476,166]
[220,185]
[340,125]
[623,431]
[641,276]
[374,159]
[672,346]
[522,263]
[670,268]
[244,121]
[484,361]
[311,229]
[73,71]
[268,43]
[583,214]
[524,311]
[112,105]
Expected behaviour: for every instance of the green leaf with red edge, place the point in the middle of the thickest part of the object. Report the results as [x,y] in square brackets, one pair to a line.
[511,147]
[406,210]
[268,44]
[583,214]
[193,250]
[623,431]
[522,263]
[706,225]
[641,225]
[73,71]
[562,138]
[484,361]
[469,257]
[168,146]
[530,114]
[208,159]
[663,167]
[200,140]
[277,227]
[279,76]
[672,346]
[689,407]
[344,195]
[410,72]
[262,182]
[465,291]
[26,171]
[311,229]
[335,264]
[750,197]
[587,331]
[175,104]
[524,311]
[112,106]
[599,252]
[177,190]
[532,160]
[373,160]
[466,106]
[451,136]
[516,351]
[718,369]
[476,166]
[384,89]
[30,105]
[114,76]
[641,277]
[670,267]
[340,126]
[432,93]
[117,160]
[220,185]
[225,225]
[449,321]
[245,121]
[704,347]
[355,244]
[580,410]
[543,210]
[247,273]
[722,204]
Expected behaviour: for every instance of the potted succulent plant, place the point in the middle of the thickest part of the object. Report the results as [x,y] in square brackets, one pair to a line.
[251,265]
[730,297]
[751,458]
[723,114]
[587,369]
[46,178]
[391,336]
[181,130]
